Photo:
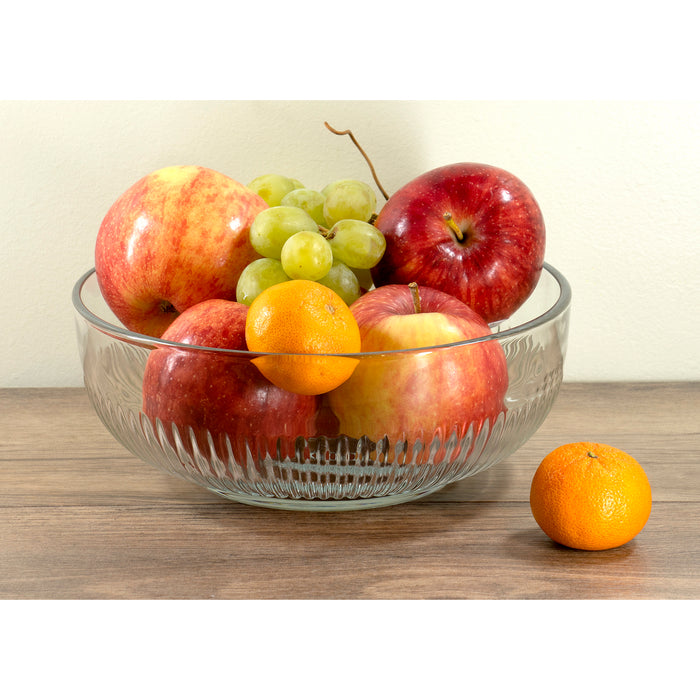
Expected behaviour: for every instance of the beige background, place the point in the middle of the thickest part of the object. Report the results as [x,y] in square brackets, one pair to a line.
[618,182]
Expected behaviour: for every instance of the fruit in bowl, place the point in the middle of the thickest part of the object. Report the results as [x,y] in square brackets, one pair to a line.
[178,236]
[327,470]
[469,229]
[307,334]
[293,245]
[456,386]
[194,377]
[218,395]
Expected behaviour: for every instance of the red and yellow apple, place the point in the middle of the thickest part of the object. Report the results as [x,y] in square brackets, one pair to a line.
[474,231]
[178,236]
[218,393]
[422,390]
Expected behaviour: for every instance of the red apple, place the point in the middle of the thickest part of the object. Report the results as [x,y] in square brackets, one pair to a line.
[176,237]
[471,230]
[219,393]
[421,392]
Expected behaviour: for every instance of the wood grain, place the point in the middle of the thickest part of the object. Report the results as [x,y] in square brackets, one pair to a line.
[80,518]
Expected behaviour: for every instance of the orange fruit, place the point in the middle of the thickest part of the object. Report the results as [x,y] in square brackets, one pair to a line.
[311,324]
[586,495]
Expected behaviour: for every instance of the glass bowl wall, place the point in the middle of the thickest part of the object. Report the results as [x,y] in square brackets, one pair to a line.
[266,465]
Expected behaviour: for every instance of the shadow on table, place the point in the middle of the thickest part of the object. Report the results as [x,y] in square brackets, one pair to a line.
[565,573]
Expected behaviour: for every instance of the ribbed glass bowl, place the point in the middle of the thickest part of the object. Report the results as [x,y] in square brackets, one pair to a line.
[266,466]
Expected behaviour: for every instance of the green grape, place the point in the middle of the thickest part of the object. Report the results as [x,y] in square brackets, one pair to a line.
[364,277]
[273,187]
[311,201]
[257,277]
[343,281]
[357,243]
[307,255]
[273,226]
[348,199]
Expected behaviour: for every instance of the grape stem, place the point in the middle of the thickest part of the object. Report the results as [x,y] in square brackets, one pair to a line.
[349,133]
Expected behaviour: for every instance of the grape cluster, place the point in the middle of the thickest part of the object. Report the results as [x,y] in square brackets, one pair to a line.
[325,236]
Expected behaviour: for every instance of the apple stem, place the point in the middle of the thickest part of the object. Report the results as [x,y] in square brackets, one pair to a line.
[455,229]
[349,133]
[413,286]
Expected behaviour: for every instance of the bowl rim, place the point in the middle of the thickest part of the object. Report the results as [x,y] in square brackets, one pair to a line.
[557,309]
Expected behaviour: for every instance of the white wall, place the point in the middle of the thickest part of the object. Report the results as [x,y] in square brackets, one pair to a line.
[618,182]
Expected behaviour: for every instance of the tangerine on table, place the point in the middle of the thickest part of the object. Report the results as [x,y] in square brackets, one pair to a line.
[587,495]
[311,325]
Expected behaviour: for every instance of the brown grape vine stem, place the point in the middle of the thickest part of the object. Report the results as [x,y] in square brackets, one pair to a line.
[349,133]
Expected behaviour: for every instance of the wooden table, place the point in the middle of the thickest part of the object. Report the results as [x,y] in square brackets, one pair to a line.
[80,518]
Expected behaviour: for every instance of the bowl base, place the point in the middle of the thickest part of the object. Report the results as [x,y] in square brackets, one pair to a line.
[324,505]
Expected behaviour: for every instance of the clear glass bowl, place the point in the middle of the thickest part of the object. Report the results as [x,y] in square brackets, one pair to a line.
[268,466]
